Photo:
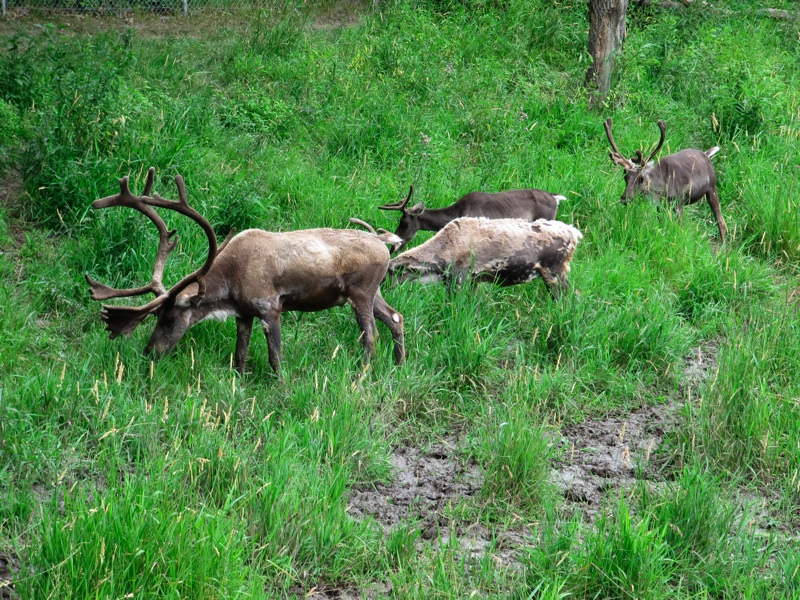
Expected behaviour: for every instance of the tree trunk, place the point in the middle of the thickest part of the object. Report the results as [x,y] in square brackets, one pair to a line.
[606,34]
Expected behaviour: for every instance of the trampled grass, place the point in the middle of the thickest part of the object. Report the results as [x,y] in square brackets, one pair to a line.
[125,478]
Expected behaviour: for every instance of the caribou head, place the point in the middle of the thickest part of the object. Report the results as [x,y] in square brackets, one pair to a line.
[124,319]
[635,179]
[409,221]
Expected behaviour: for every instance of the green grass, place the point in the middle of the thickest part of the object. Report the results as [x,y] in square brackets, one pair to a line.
[179,478]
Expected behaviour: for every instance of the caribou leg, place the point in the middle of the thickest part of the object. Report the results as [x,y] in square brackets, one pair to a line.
[552,283]
[244,327]
[363,308]
[713,201]
[394,321]
[271,323]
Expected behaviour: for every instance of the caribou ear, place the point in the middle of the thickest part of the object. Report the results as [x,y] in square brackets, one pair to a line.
[416,210]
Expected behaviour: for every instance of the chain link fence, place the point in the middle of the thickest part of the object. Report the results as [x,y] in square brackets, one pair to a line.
[185,7]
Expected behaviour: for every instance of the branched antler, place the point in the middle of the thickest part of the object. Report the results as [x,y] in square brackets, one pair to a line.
[616,156]
[619,159]
[399,205]
[124,319]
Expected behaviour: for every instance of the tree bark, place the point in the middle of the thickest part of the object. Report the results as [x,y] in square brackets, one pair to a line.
[606,34]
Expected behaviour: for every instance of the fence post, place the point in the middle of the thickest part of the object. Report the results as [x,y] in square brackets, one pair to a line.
[185,7]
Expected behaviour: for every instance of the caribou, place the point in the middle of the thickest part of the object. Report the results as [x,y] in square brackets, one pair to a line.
[529,204]
[503,251]
[254,274]
[683,178]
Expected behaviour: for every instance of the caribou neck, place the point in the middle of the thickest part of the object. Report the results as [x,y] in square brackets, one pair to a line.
[434,219]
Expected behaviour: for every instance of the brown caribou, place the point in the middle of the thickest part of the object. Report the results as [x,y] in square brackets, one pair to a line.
[528,204]
[254,274]
[683,178]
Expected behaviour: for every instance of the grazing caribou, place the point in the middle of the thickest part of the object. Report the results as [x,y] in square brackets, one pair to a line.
[503,251]
[684,177]
[516,204]
[255,274]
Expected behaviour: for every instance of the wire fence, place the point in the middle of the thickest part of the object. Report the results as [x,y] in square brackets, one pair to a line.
[185,7]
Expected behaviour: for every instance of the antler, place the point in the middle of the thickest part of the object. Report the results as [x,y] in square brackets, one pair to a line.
[663,127]
[381,231]
[387,237]
[124,319]
[364,224]
[616,156]
[165,246]
[399,205]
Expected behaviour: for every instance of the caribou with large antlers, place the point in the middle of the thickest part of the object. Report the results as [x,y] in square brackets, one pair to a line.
[255,274]
[684,177]
[529,204]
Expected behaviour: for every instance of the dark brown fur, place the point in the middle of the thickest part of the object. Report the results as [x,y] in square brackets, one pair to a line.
[528,204]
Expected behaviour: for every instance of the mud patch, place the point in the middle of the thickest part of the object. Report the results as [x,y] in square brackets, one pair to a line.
[424,483]
[8,566]
[600,457]
[604,456]
[701,364]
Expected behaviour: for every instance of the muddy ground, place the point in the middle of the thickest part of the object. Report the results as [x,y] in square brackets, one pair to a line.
[424,483]
[599,458]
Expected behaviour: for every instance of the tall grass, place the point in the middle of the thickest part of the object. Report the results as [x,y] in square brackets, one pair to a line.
[136,539]
[747,413]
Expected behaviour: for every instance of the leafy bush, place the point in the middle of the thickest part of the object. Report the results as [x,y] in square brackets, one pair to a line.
[84,89]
